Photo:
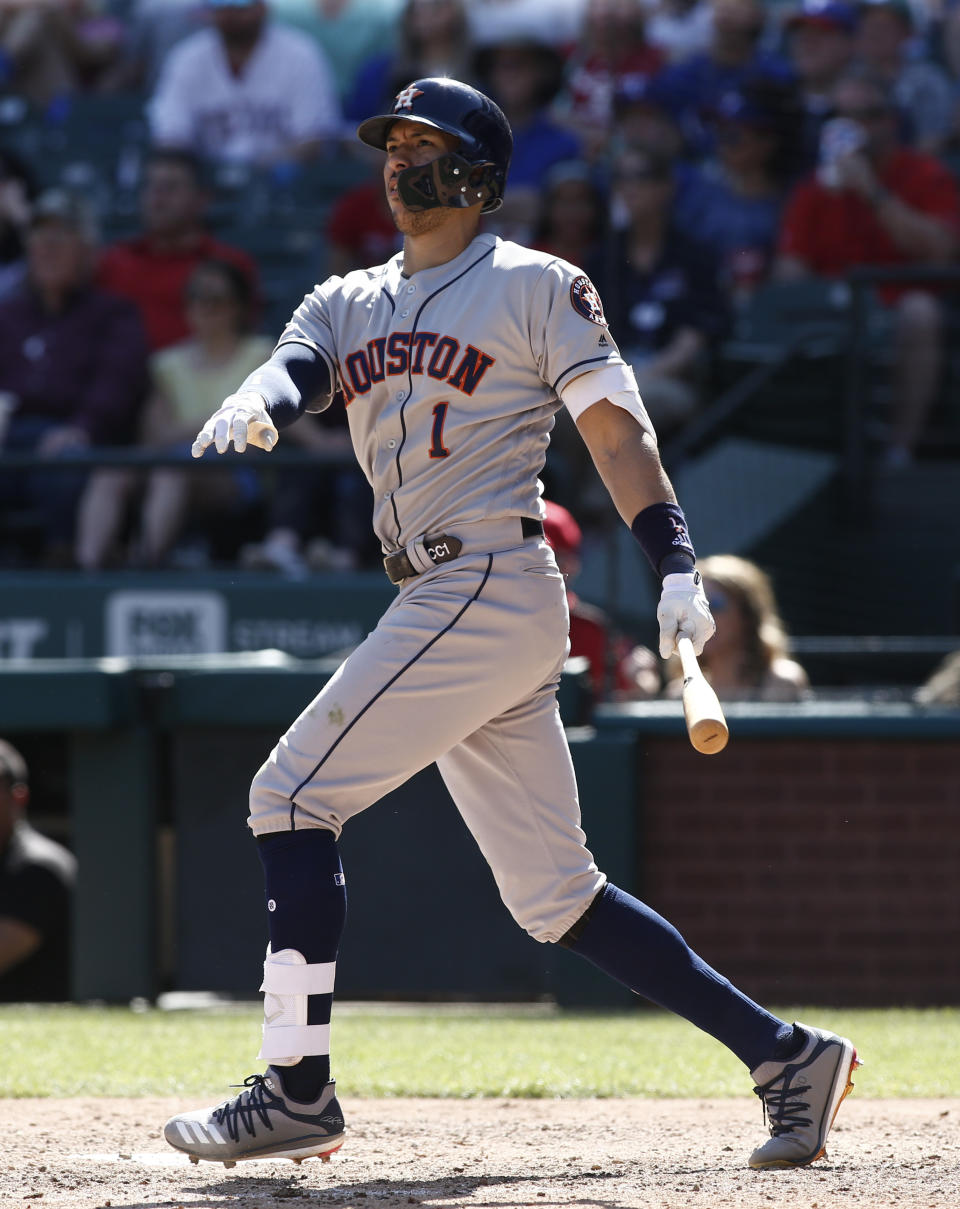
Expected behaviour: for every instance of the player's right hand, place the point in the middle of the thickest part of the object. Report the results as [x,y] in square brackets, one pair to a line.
[242,419]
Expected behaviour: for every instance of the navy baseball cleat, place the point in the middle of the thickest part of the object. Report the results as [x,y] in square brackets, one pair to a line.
[260,1123]
[801,1098]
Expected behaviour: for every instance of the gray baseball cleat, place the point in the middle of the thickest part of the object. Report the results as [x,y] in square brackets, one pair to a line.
[801,1098]
[260,1123]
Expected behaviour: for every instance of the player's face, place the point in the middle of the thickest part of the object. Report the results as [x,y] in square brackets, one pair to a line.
[409,145]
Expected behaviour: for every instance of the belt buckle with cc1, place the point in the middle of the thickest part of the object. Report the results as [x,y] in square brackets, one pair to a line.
[440,549]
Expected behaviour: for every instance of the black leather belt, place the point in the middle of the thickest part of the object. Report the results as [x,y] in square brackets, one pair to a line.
[443,549]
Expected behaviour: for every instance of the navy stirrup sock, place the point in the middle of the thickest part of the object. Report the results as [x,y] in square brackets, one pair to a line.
[306,910]
[628,940]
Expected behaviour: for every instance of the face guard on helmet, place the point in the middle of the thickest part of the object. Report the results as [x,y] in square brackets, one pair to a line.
[475,172]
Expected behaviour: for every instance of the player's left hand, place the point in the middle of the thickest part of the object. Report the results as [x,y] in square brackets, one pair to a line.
[242,419]
[683,609]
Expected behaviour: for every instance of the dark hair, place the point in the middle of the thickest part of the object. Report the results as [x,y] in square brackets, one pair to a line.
[560,174]
[13,166]
[547,58]
[180,157]
[241,287]
[13,767]
[775,107]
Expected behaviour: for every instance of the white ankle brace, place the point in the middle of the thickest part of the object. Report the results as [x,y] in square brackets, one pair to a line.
[287,981]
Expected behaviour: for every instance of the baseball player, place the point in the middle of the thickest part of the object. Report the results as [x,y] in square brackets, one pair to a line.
[452,359]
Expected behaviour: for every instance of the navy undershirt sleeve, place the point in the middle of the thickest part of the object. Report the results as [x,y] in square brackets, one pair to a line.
[295,379]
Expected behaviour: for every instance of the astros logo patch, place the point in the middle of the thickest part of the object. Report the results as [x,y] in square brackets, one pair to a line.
[586,300]
[406,98]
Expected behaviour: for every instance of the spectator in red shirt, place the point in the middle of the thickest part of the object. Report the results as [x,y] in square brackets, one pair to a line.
[880,203]
[618,669]
[612,49]
[152,269]
[361,230]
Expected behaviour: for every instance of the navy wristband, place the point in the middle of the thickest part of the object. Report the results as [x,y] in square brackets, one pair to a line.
[662,533]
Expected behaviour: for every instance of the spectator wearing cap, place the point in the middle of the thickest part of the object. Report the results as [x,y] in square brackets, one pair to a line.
[37,878]
[661,289]
[620,670]
[694,89]
[153,267]
[735,202]
[72,362]
[820,42]
[246,90]
[880,203]
[642,118]
[921,88]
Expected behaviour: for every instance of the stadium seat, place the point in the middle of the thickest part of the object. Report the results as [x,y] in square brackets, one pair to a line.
[801,331]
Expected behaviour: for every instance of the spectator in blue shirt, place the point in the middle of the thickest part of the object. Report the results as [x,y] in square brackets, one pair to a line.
[735,201]
[695,88]
[523,75]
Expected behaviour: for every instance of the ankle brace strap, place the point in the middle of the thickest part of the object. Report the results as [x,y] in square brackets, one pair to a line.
[282,979]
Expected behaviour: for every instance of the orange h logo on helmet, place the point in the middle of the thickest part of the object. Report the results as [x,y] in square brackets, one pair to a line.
[406,98]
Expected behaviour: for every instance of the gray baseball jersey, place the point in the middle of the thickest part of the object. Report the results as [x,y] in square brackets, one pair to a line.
[452,379]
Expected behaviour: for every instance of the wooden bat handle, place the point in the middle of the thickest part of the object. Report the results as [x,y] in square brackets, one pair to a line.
[706,724]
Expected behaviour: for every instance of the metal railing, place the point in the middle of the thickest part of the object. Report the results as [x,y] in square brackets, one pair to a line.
[98,457]
[853,322]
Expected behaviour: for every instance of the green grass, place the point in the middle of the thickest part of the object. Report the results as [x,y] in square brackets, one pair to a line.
[67,1050]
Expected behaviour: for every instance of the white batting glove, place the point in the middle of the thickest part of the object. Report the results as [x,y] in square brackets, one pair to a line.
[242,419]
[683,609]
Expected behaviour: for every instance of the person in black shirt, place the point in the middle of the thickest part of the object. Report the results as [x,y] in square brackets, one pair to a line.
[662,291]
[37,876]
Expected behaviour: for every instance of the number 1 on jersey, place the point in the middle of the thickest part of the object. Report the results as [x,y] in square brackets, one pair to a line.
[437,447]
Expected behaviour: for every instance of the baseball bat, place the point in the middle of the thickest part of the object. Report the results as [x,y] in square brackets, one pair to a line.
[706,724]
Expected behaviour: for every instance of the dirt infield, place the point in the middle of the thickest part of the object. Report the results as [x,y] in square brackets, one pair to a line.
[489,1154]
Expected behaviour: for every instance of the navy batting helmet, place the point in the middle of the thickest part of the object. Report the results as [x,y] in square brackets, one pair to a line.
[476,171]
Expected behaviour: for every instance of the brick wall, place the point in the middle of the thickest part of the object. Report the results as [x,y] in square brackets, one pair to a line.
[810,870]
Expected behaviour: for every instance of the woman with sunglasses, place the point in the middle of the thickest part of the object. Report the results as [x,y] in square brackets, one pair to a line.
[747,658]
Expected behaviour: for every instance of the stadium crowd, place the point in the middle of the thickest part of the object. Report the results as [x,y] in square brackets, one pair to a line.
[685,153]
